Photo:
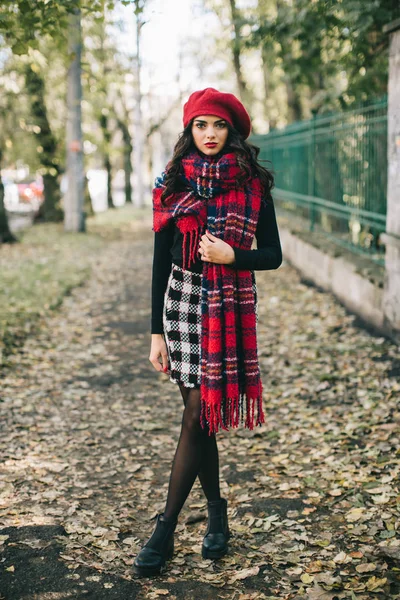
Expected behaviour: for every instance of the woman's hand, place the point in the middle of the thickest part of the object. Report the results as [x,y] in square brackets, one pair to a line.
[215,250]
[158,351]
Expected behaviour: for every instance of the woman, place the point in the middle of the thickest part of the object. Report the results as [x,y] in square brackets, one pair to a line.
[209,204]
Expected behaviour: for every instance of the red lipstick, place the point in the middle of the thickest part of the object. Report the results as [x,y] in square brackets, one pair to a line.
[211,145]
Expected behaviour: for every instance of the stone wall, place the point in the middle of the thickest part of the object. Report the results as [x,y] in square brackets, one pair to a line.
[337,275]
[391,299]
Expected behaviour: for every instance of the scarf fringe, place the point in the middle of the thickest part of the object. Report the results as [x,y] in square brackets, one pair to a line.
[231,413]
[191,228]
[191,240]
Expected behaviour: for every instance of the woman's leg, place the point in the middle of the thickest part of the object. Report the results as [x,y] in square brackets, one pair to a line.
[193,447]
[209,466]
[209,469]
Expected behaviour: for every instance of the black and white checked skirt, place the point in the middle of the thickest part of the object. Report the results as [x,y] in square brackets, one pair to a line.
[182,325]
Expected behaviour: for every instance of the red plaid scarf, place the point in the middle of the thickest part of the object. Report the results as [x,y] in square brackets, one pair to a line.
[230,374]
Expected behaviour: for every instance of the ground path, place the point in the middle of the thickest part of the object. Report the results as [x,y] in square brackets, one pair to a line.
[88,432]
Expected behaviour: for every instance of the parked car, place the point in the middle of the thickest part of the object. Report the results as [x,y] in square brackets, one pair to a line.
[31,193]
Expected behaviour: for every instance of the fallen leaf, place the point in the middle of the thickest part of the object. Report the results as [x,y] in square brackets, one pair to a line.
[374,584]
[318,593]
[244,574]
[354,514]
[342,558]
[365,567]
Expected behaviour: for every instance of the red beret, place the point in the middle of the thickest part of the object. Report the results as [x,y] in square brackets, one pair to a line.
[220,104]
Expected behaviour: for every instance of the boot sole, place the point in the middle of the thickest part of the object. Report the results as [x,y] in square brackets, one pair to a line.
[213,554]
[146,572]
[151,571]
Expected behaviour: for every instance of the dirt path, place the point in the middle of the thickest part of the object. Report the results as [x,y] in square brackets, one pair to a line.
[88,432]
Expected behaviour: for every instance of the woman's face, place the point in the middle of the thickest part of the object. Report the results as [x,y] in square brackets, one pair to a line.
[209,134]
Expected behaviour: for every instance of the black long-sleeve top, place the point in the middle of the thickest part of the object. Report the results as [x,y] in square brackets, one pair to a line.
[168,250]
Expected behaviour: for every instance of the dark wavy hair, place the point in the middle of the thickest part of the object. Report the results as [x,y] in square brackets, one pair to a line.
[247,158]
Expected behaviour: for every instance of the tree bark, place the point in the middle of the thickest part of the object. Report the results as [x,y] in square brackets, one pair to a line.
[236,50]
[87,201]
[51,209]
[74,198]
[293,100]
[138,199]
[126,137]
[106,159]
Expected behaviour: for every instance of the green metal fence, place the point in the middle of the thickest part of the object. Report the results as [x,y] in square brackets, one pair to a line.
[332,170]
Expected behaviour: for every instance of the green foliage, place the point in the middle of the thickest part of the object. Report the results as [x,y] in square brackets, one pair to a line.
[33,92]
[24,133]
[316,56]
[367,62]
[23,22]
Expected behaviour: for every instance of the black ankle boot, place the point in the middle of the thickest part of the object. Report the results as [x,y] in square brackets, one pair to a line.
[159,548]
[215,543]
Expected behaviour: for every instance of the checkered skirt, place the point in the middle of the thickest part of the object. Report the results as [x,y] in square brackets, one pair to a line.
[182,325]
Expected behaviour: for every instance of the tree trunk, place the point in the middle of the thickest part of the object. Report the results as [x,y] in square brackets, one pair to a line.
[107,161]
[107,166]
[51,209]
[138,141]
[294,104]
[236,47]
[286,43]
[87,202]
[267,58]
[126,136]
[74,198]
[5,234]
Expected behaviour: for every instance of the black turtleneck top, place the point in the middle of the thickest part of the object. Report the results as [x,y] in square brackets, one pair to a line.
[168,250]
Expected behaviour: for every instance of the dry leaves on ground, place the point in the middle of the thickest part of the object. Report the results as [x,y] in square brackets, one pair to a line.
[90,432]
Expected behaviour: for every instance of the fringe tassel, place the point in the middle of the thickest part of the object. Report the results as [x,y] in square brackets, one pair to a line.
[231,412]
[189,247]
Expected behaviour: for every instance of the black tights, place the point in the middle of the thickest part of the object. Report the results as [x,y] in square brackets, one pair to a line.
[196,454]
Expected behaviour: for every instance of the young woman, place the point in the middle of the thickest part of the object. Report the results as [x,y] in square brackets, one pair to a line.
[209,204]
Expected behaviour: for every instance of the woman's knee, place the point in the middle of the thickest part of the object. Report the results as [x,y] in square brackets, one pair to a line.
[184,393]
[191,414]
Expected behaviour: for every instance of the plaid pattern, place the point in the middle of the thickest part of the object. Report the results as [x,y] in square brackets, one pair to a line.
[231,388]
[182,326]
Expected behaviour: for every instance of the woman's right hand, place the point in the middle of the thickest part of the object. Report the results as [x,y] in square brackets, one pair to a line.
[158,352]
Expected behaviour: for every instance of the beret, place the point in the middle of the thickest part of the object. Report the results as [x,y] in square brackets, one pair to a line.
[224,105]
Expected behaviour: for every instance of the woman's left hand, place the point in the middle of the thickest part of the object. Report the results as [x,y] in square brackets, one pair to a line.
[215,250]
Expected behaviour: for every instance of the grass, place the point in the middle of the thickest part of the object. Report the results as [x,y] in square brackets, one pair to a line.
[47,263]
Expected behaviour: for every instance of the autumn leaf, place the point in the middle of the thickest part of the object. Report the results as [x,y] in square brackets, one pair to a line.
[244,574]
[365,567]
[375,584]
